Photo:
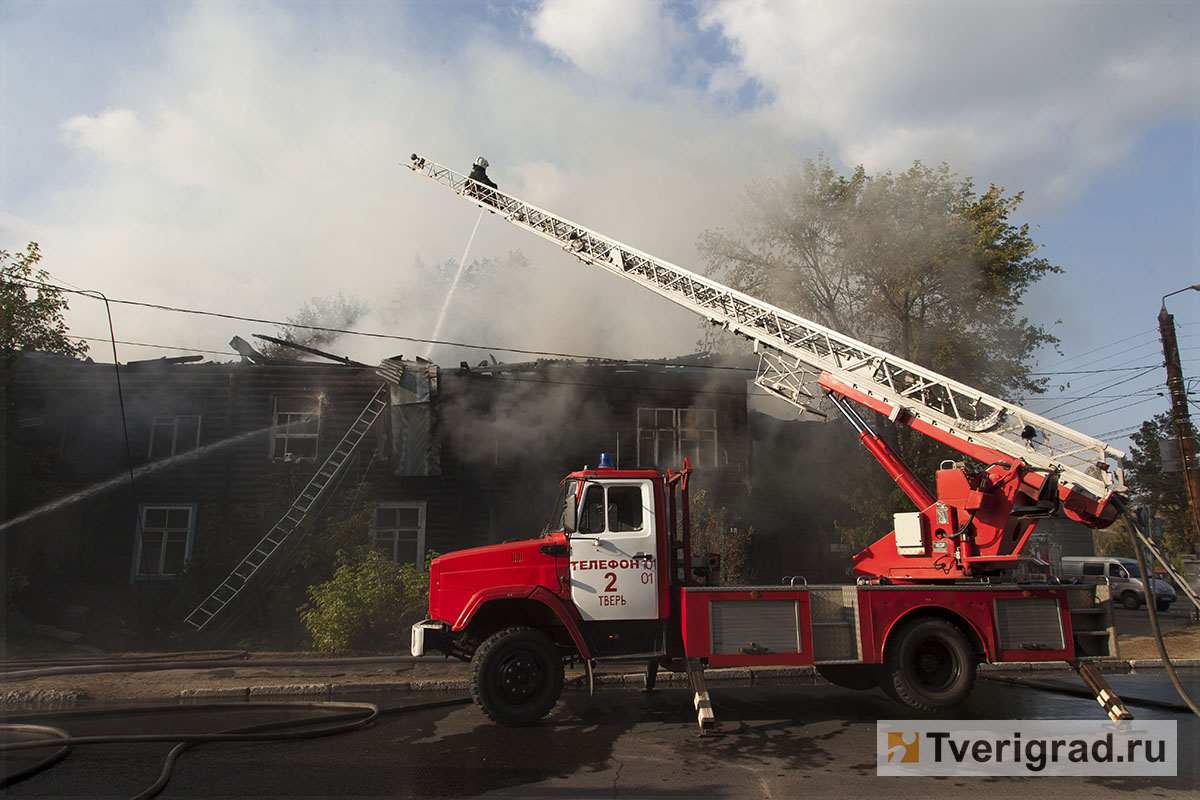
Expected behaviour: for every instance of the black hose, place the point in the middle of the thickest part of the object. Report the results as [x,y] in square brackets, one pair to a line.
[19,664]
[48,761]
[357,715]
[1152,607]
[150,664]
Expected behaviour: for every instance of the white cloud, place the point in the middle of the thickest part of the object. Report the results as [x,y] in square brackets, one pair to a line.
[252,158]
[1041,95]
[250,177]
[629,41]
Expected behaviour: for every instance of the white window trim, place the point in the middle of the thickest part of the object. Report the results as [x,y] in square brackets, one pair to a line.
[680,434]
[134,576]
[277,434]
[154,426]
[420,505]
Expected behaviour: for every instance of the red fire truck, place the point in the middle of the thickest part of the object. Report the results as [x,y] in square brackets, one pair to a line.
[613,576]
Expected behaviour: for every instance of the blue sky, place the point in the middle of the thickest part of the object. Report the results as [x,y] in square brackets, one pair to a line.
[244,157]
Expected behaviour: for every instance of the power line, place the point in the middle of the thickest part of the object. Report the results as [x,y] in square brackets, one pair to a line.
[1092,371]
[1108,411]
[106,340]
[1106,346]
[1110,386]
[344,331]
[1119,432]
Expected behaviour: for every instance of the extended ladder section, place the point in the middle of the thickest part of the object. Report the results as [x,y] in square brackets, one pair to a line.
[794,351]
[305,502]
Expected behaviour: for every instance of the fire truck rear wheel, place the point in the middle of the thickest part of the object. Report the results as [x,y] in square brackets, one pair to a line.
[929,666]
[516,676]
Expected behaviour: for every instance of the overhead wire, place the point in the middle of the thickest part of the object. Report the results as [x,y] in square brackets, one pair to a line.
[1109,386]
[343,331]
[1113,343]
[1108,411]
[156,346]
[1141,370]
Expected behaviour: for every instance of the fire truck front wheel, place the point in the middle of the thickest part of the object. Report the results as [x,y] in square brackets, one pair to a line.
[516,676]
[929,666]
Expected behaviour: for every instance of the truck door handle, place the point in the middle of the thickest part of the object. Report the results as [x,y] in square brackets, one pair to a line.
[640,555]
[554,549]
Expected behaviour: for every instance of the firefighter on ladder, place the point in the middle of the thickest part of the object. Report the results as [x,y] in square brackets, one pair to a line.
[479,175]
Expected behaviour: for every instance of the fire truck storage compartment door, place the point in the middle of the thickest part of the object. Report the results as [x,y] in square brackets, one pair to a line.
[754,626]
[1029,623]
[835,629]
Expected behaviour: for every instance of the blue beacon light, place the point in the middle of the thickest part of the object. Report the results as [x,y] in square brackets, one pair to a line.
[606,461]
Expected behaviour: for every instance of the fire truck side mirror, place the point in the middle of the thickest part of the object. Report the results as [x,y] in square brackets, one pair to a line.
[569,513]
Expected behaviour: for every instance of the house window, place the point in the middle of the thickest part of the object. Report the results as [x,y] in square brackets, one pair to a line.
[297,423]
[163,541]
[667,435]
[170,436]
[398,531]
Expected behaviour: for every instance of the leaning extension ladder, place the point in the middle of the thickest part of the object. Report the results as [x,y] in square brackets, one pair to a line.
[270,544]
[793,350]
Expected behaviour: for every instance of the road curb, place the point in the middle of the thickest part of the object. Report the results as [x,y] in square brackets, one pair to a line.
[714,677]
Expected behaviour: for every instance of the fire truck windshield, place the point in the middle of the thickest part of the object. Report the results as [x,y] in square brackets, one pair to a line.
[558,509]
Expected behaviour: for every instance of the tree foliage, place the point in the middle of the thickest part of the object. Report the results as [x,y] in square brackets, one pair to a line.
[334,311]
[31,316]
[360,607]
[918,264]
[716,530]
[1163,493]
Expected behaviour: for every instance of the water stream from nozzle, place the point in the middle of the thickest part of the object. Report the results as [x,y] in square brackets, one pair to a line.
[437,328]
[124,478]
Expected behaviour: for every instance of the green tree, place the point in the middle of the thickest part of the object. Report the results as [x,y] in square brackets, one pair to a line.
[716,530]
[31,319]
[360,607]
[918,264]
[1163,493]
[335,311]
[31,315]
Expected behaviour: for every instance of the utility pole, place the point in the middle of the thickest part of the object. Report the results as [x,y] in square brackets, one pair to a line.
[1180,415]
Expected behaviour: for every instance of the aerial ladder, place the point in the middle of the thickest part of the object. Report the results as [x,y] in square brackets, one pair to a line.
[978,520]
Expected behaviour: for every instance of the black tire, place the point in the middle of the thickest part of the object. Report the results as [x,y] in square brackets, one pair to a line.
[516,676]
[929,666]
[1130,601]
[1163,605]
[851,676]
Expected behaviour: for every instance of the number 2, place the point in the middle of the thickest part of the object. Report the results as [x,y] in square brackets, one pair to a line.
[612,581]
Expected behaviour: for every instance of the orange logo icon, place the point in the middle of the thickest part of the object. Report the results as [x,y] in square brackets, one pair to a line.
[909,751]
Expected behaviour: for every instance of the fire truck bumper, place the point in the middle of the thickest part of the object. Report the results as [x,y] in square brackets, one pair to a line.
[418,634]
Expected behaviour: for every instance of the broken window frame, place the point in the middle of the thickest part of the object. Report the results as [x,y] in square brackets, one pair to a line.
[284,426]
[666,435]
[388,539]
[159,427]
[164,538]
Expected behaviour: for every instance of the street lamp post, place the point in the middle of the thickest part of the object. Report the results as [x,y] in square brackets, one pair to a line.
[1180,415]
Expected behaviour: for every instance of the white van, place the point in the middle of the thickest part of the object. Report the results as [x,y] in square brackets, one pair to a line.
[1122,574]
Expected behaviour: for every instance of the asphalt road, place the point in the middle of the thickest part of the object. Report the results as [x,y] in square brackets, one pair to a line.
[808,741]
